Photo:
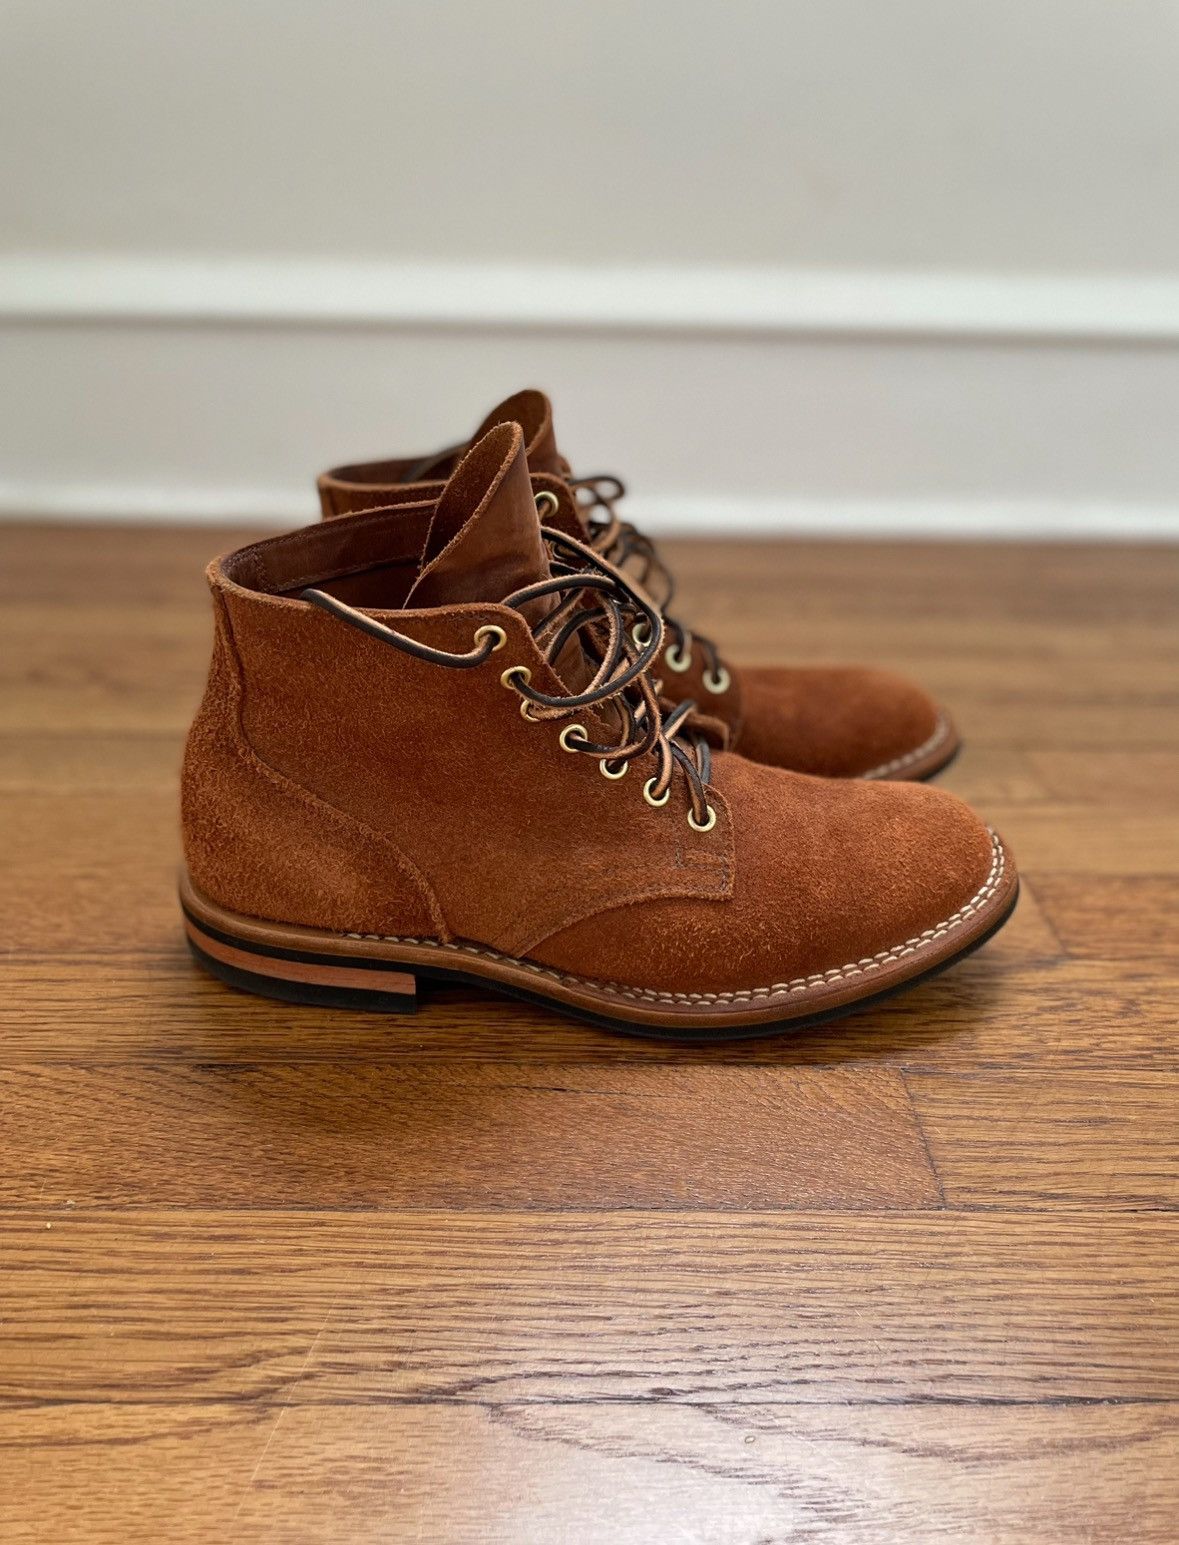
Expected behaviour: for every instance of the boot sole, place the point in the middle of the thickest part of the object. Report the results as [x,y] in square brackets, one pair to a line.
[309,966]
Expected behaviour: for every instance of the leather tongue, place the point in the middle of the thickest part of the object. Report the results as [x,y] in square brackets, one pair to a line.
[484,541]
[533,411]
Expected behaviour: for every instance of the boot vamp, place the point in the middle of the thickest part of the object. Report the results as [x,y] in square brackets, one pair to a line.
[827,875]
[838,721]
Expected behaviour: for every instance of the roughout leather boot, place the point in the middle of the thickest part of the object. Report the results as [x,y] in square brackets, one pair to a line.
[462,770]
[836,721]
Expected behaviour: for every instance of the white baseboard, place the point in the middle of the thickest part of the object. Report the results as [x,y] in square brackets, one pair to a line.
[665,515]
[689,297]
[733,400]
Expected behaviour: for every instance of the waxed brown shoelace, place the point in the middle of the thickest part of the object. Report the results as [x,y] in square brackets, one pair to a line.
[596,605]
[619,542]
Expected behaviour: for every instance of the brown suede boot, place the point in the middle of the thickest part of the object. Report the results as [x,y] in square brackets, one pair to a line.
[474,780]
[842,721]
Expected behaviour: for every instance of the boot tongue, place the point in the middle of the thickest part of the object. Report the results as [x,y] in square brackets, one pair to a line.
[533,411]
[484,541]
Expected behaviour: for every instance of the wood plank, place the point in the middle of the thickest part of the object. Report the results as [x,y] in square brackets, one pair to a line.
[990,775]
[90,871]
[1088,839]
[544,1471]
[159,1010]
[311,1307]
[472,1135]
[74,764]
[1066,1139]
[1116,918]
[1110,778]
[128,1475]
[892,585]
[137,564]
[1075,727]
[109,668]
[601,1474]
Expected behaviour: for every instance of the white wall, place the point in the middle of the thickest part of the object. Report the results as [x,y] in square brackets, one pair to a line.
[874,262]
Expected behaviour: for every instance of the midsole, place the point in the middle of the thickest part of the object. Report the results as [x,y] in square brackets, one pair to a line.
[297,953]
[286,969]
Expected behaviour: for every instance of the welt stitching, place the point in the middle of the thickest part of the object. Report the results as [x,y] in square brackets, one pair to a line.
[800,984]
[911,756]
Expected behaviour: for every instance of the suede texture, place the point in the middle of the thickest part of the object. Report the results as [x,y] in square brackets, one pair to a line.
[832,721]
[839,721]
[827,873]
[334,781]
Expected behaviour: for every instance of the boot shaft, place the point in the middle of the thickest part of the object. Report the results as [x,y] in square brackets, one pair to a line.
[494,827]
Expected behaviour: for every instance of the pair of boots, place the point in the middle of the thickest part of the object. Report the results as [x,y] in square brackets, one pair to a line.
[455,734]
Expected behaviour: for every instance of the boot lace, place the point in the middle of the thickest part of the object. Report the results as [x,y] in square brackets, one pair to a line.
[623,544]
[620,633]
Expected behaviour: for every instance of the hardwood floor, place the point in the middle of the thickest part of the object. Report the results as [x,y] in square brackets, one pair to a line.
[275,1274]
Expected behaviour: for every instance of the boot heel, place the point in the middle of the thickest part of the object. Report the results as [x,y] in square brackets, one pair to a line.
[297,977]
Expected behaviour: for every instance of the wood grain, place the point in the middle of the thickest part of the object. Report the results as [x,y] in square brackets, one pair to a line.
[1075,1139]
[306,1307]
[718,1473]
[531,1474]
[1121,917]
[160,1009]
[1111,778]
[478,1135]
[176,1475]
[1089,840]
[277,1275]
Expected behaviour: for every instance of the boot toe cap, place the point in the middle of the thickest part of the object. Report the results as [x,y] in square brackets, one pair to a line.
[832,880]
[843,722]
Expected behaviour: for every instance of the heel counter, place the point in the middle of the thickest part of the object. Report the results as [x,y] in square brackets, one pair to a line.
[204,783]
[262,846]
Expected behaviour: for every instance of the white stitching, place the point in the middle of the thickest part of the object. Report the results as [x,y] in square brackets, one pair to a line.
[940,732]
[800,984]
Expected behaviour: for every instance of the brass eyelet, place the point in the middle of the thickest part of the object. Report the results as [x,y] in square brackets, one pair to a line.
[649,797]
[677,661]
[612,773]
[526,711]
[641,633]
[490,630]
[718,683]
[572,732]
[508,678]
[702,826]
[547,503]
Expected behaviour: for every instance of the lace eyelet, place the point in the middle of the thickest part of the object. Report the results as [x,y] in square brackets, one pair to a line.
[718,683]
[702,826]
[641,633]
[489,630]
[656,804]
[526,711]
[677,660]
[508,678]
[572,732]
[547,503]
[612,773]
